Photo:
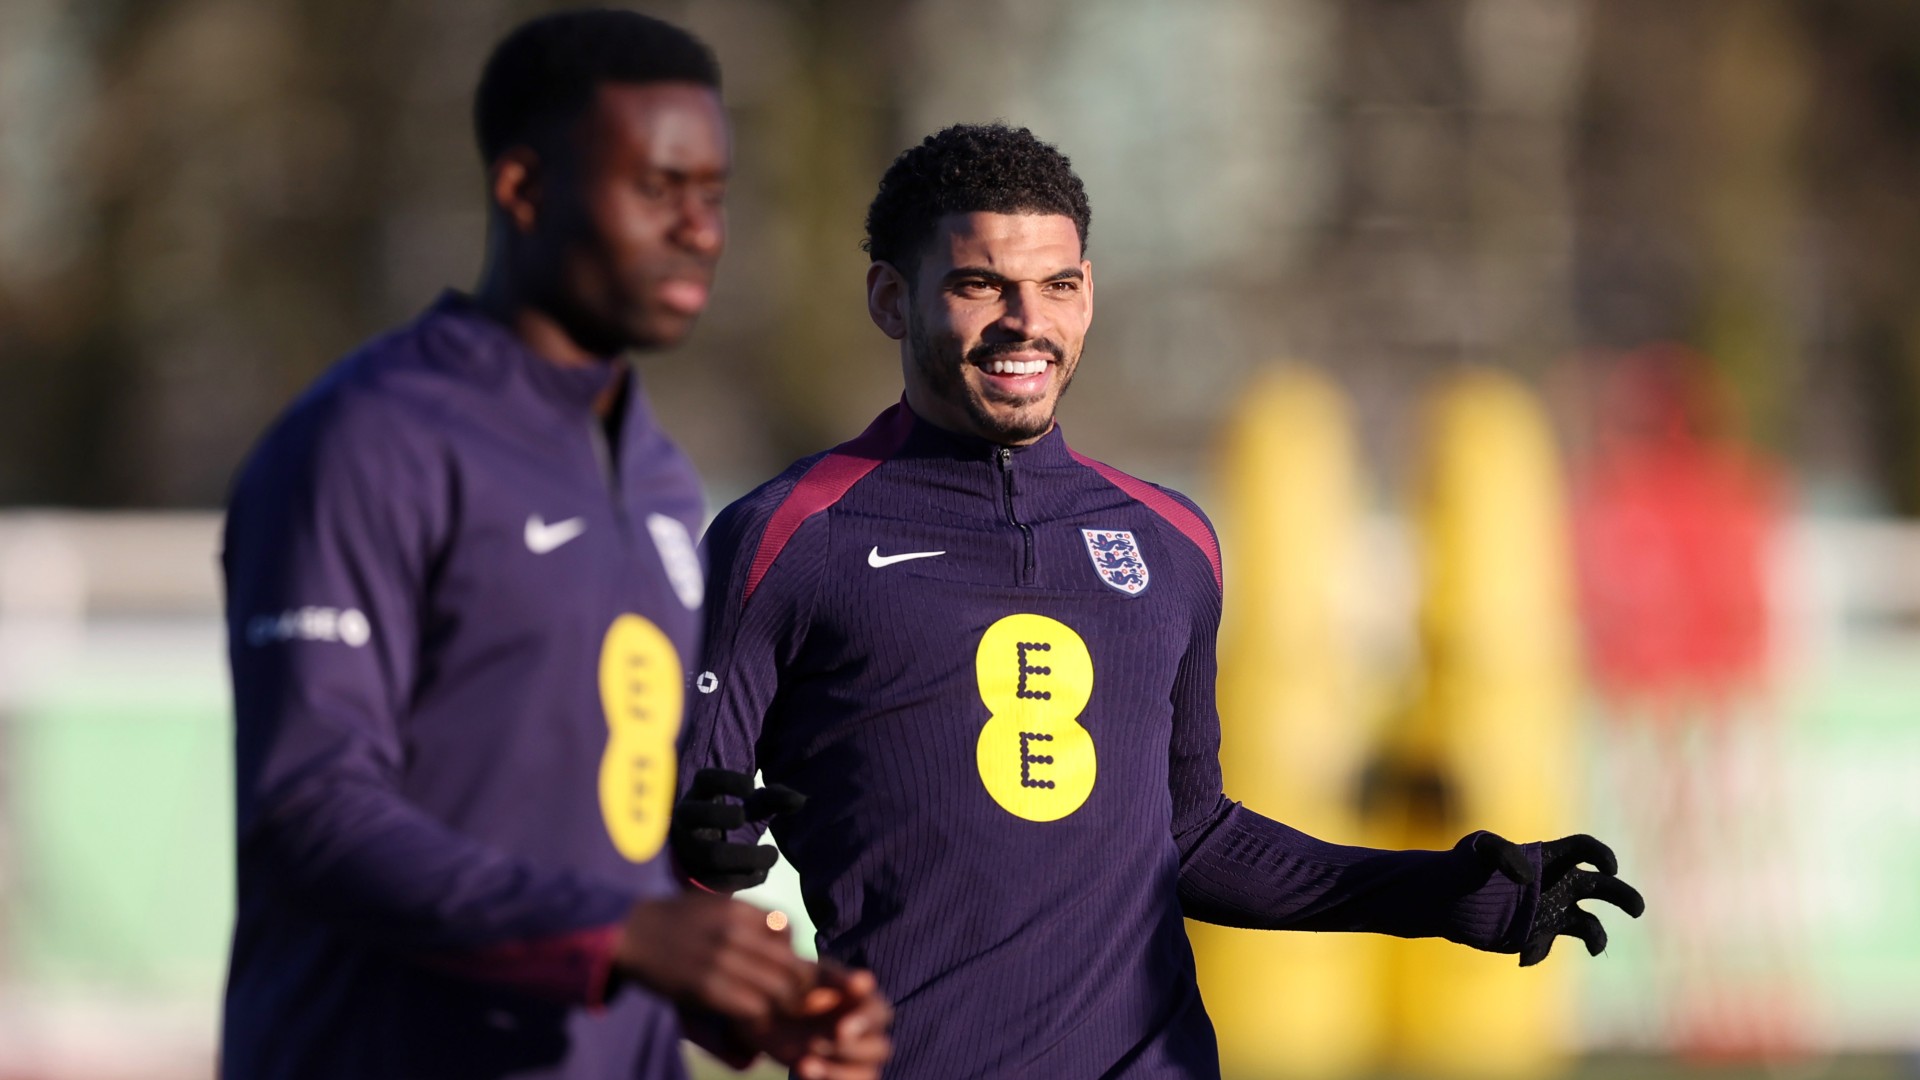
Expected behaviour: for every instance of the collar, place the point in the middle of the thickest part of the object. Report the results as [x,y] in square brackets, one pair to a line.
[925,440]
[456,320]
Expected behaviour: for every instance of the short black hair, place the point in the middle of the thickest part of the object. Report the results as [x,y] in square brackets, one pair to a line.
[549,68]
[964,169]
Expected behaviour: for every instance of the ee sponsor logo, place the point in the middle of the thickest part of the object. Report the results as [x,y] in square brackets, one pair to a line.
[641,691]
[1035,677]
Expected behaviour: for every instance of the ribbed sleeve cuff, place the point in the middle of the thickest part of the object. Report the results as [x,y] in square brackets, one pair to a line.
[1498,915]
[575,968]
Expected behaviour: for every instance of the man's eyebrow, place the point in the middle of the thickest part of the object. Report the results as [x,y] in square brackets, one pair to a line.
[981,273]
[692,176]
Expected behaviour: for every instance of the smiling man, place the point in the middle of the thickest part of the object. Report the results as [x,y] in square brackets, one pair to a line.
[988,661]
[461,595]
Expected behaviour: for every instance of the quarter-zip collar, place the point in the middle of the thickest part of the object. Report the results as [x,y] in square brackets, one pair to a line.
[1009,477]
[925,440]
[488,352]
[492,348]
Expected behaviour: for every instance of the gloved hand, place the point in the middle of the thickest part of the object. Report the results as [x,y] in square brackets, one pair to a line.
[703,818]
[1562,886]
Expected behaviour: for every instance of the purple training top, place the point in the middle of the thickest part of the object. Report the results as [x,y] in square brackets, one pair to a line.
[991,671]
[459,623]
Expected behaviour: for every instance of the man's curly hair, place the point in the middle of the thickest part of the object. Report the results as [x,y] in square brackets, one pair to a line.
[964,169]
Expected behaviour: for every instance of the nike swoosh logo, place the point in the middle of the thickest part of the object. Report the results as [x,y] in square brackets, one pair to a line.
[877,560]
[542,537]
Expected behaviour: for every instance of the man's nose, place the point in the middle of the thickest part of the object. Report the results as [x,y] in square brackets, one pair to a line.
[1021,313]
[702,227]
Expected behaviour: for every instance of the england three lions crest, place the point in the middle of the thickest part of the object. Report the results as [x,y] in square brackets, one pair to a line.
[1116,558]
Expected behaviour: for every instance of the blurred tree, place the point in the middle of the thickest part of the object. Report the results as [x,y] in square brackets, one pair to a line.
[821,144]
[204,201]
[1450,240]
[1863,164]
[230,159]
[1747,178]
[1750,211]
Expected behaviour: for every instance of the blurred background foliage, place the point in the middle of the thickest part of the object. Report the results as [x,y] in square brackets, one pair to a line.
[1599,411]
[202,202]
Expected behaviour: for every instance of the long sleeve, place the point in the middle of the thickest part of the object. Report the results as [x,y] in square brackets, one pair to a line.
[1238,868]
[330,546]
[759,597]
[739,676]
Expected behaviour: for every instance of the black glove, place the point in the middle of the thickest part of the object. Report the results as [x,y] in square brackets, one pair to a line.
[703,818]
[1562,886]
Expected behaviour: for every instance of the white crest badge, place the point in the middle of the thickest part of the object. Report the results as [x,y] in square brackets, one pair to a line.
[1116,558]
[671,540]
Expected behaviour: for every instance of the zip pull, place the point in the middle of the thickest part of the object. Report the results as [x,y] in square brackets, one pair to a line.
[1005,458]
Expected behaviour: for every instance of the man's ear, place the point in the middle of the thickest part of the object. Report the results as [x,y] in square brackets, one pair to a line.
[514,181]
[888,299]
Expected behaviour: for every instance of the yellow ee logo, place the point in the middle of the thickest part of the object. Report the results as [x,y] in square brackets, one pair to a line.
[640,691]
[1036,677]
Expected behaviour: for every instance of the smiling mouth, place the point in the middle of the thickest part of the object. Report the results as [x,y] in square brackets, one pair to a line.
[1012,381]
[1001,365]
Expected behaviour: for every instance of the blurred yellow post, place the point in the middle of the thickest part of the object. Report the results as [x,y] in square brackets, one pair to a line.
[1494,721]
[1290,1005]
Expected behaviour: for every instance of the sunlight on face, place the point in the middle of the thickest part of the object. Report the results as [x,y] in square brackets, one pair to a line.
[999,315]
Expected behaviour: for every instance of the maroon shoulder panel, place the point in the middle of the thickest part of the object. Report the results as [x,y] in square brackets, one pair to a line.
[825,483]
[1168,507]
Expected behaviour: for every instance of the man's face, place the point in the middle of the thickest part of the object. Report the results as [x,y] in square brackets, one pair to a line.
[634,222]
[994,323]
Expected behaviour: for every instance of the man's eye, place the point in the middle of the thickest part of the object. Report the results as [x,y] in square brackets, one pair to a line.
[975,288]
[1067,286]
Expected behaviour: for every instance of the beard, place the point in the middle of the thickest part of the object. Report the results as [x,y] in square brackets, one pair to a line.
[943,366]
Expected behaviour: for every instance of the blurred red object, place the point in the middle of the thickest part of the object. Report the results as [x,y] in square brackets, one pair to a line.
[1673,523]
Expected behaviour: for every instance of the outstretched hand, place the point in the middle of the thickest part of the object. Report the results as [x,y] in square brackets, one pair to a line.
[717,802]
[1562,886]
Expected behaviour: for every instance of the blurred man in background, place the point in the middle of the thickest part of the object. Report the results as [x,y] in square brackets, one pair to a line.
[461,594]
[988,661]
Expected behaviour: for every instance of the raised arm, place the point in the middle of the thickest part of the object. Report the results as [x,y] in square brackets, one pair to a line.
[1238,868]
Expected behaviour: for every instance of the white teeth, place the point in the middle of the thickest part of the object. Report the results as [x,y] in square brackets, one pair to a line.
[1017,367]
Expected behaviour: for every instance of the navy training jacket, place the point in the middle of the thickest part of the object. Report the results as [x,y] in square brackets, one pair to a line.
[991,671]
[459,620]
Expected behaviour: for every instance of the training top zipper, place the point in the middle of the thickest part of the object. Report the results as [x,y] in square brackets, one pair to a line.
[609,472]
[1004,457]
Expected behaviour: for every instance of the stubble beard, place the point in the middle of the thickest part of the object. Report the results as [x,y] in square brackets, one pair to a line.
[942,365]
